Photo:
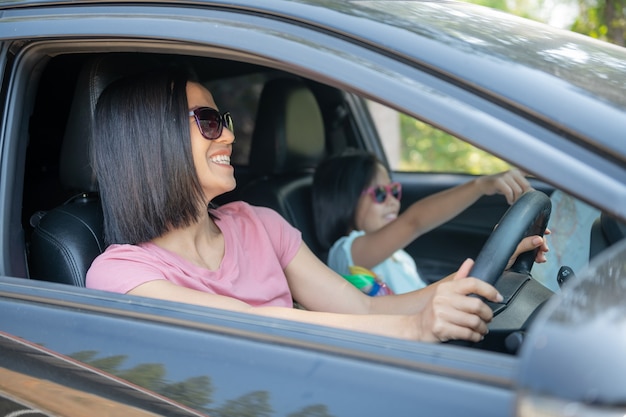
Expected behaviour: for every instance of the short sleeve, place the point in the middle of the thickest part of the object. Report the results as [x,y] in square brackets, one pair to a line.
[121,268]
[285,238]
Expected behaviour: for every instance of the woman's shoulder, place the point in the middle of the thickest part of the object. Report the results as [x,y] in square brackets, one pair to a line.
[123,252]
[121,267]
[244,209]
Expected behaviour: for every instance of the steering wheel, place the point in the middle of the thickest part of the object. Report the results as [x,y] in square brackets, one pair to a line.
[523,296]
[528,216]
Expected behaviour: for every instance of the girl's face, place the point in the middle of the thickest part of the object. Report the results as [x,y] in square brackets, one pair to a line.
[370,215]
[211,157]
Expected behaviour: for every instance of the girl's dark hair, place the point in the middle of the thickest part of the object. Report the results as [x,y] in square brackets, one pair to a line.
[141,153]
[337,186]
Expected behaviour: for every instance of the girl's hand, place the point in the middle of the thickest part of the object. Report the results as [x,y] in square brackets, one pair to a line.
[512,184]
[451,314]
[530,243]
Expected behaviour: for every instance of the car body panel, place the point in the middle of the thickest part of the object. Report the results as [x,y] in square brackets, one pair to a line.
[52,384]
[442,45]
[324,366]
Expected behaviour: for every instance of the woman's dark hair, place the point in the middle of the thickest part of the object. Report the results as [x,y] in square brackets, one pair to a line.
[337,186]
[141,153]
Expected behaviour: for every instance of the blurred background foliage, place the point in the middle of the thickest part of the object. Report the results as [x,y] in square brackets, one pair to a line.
[600,19]
[426,149]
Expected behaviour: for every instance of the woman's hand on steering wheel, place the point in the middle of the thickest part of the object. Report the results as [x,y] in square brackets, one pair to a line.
[451,314]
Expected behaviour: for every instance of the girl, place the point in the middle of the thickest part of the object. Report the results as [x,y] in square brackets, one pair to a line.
[356,207]
[161,152]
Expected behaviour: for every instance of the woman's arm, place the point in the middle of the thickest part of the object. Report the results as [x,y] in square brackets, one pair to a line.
[438,312]
[430,212]
[428,316]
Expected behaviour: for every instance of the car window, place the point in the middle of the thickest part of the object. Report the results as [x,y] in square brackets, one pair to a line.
[414,146]
[240,96]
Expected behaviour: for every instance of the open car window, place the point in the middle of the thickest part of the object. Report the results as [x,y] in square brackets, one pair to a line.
[414,146]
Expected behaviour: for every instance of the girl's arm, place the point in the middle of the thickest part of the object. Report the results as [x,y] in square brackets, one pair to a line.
[430,212]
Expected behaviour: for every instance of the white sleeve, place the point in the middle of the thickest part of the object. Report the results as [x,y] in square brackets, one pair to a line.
[340,254]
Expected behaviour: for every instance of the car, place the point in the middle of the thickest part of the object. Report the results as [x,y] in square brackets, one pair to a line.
[321,76]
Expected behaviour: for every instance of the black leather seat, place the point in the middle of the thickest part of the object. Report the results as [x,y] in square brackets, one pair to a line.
[287,143]
[66,239]
[605,231]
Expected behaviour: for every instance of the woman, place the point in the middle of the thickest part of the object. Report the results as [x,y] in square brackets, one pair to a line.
[161,154]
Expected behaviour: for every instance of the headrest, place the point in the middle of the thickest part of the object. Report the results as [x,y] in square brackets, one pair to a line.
[76,172]
[289,131]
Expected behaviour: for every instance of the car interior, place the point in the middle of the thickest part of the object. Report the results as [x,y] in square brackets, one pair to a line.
[61,205]
[284,125]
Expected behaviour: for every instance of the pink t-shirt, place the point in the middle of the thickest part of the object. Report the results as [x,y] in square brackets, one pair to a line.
[259,244]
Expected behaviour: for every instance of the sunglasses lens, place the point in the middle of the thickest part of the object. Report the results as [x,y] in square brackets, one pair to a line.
[210,123]
[228,119]
[380,194]
[396,191]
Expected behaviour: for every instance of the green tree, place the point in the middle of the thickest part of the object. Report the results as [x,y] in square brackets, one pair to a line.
[110,364]
[602,19]
[147,375]
[427,149]
[195,392]
[318,410]
[253,404]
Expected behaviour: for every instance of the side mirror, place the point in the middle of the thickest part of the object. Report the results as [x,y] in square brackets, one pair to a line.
[572,361]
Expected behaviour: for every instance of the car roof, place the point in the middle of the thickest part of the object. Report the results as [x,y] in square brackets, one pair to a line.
[569,82]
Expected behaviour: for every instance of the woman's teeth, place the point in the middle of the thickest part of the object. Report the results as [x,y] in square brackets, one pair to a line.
[221,159]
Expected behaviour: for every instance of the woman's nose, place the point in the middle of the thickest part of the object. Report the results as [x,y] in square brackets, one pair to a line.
[227,136]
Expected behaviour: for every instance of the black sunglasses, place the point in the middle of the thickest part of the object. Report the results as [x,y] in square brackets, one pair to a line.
[211,122]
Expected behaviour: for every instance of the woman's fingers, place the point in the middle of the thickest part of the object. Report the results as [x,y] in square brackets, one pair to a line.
[464,269]
[454,315]
[465,318]
[466,286]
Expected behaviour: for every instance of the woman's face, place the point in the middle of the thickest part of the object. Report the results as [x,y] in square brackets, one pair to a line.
[211,157]
[370,215]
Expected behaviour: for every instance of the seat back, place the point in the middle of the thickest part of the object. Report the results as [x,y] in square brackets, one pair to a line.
[287,143]
[67,238]
[605,231]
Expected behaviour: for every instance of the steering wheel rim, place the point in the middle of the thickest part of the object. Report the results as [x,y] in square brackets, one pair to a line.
[528,216]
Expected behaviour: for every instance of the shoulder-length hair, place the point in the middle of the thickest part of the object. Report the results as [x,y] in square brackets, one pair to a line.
[337,186]
[141,153]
